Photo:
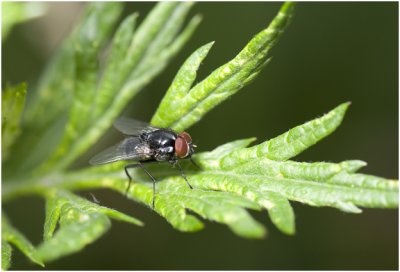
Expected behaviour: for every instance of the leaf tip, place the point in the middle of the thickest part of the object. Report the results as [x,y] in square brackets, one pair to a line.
[291,232]
[289,228]
[189,3]
[36,259]
[250,229]
[287,10]
[353,165]
[348,207]
[287,6]
[135,14]
[206,48]
[211,43]
[40,263]
[131,19]
[197,19]
[341,110]
[345,105]
[252,139]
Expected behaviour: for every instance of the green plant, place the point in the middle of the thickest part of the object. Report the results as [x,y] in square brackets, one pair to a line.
[234,177]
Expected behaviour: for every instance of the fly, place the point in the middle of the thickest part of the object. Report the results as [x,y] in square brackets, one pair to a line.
[146,144]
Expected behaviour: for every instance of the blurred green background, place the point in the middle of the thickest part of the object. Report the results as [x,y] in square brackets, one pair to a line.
[332,53]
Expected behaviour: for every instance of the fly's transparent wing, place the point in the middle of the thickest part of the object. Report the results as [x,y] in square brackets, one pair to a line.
[132,148]
[129,126]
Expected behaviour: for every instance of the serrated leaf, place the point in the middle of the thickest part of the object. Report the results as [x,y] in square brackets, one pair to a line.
[151,48]
[269,183]
[74,237]
[292,142]
[194,103]
[49,105]
[12,105]
[180,85]
[112,74]
[232,178]
[86,44]
[81,223]
[223,208]
[258,181]
[174,198]
[213,158]
[11,235]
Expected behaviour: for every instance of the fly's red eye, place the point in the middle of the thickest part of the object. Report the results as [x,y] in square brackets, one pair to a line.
[186,136]
[181,147]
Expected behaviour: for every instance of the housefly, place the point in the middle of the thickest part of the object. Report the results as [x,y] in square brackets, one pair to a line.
[145,144]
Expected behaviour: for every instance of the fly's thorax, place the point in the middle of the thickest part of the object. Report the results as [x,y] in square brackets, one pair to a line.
[161,138]
[162,143]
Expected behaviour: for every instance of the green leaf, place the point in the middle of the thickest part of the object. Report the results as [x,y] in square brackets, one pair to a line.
[6,251]
[182,106]
[292,142]
[251,180]
[12,105]
[174,198]
[88,42]
[89,39]
[18,12]
[50,104]
[120,45]
[57,84]
[233,177]
[252,174]
[154,43]
[11,235]
[258,174]
[81,223]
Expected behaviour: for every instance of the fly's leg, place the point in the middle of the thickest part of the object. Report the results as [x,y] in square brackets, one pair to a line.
[183,173]
[194,163]
[129,176]
[139,164]
[154,183]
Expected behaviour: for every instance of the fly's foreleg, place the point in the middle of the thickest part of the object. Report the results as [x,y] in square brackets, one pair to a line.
[135,165]
[194,163]
[183,173]
[129,176]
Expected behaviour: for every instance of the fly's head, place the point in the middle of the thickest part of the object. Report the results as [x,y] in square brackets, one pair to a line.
[183,145]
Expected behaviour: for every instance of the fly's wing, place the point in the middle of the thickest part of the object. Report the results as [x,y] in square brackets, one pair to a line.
[132,127]
[132,148]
